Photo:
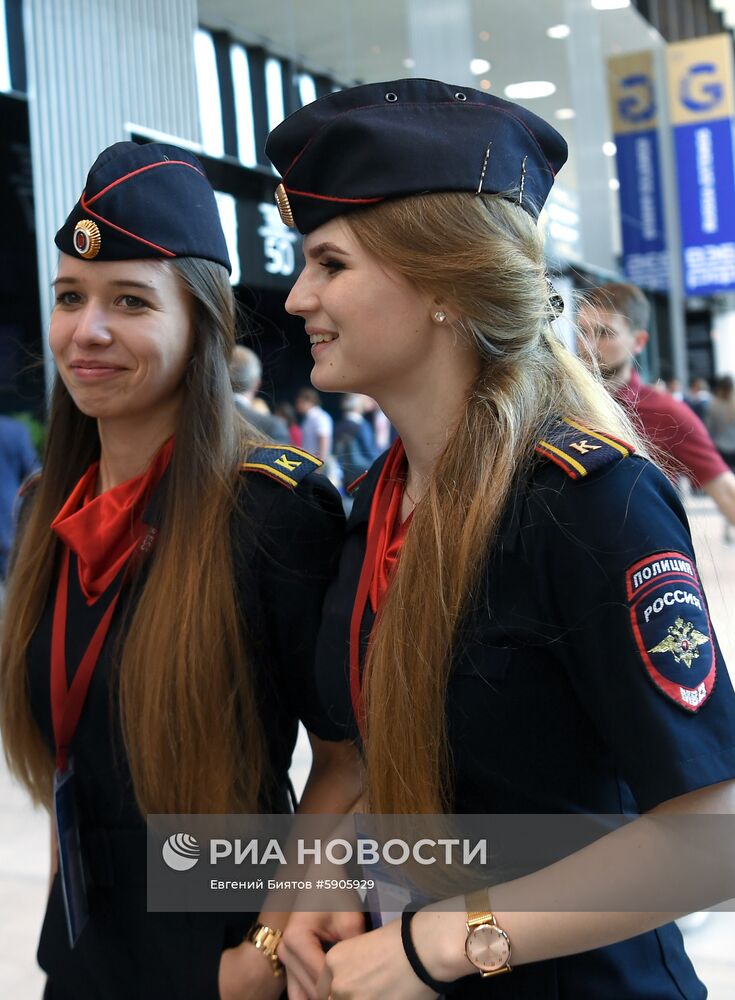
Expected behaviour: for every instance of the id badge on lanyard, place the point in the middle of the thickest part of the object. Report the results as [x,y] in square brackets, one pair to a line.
[66,709]
[71,867]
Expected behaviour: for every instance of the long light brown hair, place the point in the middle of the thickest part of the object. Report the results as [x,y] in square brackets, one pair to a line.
[187,703]
[484,257]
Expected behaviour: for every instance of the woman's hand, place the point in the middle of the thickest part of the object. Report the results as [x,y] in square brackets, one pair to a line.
[246,974]
[371,967]
[302,947]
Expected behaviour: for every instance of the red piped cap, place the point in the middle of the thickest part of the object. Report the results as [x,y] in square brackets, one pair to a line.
[358,147]
[143,201]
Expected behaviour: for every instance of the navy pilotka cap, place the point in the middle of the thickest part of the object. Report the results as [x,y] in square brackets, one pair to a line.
[358,147]
[143,201]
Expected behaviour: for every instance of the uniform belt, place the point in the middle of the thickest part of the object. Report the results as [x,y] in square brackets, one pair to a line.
[114,857]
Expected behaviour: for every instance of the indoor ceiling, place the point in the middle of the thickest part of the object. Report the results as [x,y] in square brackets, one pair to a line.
[370,41]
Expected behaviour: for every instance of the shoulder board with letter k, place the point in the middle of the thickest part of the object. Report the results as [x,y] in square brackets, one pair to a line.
[580,451]
[286,465]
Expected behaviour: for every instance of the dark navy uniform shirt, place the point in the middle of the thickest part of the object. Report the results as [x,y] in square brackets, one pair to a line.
[587,663]
[285,544]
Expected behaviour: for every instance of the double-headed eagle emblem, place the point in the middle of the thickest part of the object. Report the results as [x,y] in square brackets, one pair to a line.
[683,640]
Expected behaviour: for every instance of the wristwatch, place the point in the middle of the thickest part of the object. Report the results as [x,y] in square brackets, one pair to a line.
[487,945]
[267,939]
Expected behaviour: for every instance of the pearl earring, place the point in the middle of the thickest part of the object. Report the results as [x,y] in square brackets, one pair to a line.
[440,316]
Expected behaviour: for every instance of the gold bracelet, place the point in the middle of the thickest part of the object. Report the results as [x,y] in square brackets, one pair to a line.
[266,940]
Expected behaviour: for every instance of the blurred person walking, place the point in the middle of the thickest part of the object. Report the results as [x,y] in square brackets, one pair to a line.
[246,374]
[699,397]
[287,413]
[317,427]
[721,418]
[354,441]
[721,423]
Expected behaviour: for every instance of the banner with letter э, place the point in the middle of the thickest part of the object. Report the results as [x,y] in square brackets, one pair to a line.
[702,107]
[634,115]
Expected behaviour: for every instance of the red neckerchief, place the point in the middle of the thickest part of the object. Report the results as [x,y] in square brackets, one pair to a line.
[103,532]
[385,537]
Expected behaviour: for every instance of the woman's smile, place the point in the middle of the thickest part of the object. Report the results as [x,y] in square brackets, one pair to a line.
[94,371]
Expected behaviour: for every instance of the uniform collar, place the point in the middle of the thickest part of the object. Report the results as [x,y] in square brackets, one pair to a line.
[360,513]
[510,522]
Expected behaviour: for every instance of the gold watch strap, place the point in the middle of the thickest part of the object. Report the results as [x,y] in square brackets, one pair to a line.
[478,908]
[267,939]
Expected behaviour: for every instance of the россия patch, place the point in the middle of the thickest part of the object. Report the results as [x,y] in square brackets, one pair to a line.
[671,627]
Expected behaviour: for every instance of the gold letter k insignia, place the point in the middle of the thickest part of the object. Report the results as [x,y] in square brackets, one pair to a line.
[286,464]
[584,446]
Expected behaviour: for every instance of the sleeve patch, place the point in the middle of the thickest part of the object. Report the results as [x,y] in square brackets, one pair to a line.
[286,465]
[671,627]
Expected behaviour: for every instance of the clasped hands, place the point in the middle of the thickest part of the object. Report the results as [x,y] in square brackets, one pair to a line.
[372,965]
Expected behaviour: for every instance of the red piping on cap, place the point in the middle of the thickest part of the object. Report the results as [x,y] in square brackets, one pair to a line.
[327,197]
[140,170]
[125,232]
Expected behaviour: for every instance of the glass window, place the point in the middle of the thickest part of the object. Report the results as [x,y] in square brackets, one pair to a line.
[307,88]
[245,122]
[227,206]
[274,92]
[210,104]
[5,81]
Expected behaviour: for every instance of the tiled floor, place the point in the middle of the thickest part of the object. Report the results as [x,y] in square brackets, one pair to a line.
[24,832]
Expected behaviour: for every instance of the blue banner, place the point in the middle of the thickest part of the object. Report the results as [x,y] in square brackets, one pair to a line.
[706,171]
[702,109]
[634,112]
[645,258]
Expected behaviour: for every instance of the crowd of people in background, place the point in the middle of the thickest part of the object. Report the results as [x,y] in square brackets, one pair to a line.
[720,418]
[716,408]
[713,401]
[350,444]
[347,446]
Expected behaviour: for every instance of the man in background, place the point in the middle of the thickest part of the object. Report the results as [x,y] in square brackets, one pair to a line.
[613,320]
[246,373]
[699,397]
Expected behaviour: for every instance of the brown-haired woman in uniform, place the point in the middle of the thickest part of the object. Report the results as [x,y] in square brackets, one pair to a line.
[164,598]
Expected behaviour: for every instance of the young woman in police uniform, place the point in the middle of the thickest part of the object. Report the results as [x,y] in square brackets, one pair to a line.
[513,563]
[164,600]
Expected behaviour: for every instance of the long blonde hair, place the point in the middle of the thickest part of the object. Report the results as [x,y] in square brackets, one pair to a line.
[187,704]
[484,257]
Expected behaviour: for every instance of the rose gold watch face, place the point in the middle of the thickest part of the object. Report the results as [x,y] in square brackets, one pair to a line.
[488,948]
